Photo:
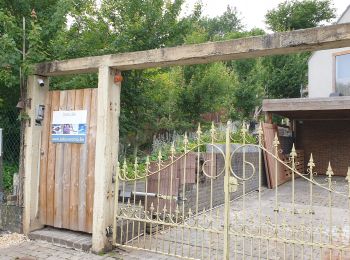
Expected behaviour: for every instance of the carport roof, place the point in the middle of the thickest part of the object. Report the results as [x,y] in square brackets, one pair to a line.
[309,108]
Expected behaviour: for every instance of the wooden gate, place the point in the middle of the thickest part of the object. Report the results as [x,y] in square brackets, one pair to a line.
[67,170]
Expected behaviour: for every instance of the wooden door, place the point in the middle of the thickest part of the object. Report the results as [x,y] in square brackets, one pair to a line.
[67,170]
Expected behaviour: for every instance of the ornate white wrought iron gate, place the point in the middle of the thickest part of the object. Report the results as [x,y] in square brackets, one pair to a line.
[197,201]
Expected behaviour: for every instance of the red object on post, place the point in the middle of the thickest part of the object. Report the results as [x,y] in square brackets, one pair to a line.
[118,77]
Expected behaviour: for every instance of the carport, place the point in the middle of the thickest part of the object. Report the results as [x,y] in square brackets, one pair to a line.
[320,126]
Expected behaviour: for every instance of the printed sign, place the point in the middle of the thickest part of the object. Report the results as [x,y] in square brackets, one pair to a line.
[69,126]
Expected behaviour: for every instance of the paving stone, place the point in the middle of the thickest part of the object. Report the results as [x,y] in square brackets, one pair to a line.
[75,257]
[64,238]
[53,258]
[41,250]
[6,258]
[250,248]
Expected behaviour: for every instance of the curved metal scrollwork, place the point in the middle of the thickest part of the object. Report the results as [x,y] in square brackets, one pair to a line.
[200,201]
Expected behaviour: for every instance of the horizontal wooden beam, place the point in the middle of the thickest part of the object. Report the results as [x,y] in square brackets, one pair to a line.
[306,104]
[327,37]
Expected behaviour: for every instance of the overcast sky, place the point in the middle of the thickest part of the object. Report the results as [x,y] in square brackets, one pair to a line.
[252,11]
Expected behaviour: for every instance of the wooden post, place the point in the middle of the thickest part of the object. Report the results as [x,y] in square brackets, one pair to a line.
[107,141]
[36,96]
[268,117]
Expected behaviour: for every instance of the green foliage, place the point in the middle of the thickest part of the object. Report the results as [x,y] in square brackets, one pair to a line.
[219,26]
[245,98]
[294,15]
[134,26]
[9,169]
[41,26]
[163,91]
[141,25]
[9,53]
[157,100]
[36,50]
[285,74]
[206,90]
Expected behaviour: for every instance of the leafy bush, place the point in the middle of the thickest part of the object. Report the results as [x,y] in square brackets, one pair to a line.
[9,169]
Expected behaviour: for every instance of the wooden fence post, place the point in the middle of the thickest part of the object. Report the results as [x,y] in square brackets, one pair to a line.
[36,95]
[107,141]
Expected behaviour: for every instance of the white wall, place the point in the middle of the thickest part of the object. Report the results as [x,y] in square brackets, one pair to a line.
[321,72]
[345,17]
[321,67]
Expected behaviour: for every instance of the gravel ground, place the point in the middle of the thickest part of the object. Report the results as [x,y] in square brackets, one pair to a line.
[9,239]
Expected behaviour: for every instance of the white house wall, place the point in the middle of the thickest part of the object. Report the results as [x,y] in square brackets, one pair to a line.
[321,72]
[321,67]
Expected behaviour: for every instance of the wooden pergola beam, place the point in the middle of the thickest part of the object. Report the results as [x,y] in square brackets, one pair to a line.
[327,37]
[306,104]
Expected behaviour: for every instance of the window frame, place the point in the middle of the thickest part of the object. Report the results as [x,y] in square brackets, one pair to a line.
[334,72]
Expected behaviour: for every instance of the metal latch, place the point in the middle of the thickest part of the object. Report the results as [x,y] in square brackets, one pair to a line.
[233,184]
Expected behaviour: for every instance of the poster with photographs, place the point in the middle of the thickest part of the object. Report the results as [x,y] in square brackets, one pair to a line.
[69,126]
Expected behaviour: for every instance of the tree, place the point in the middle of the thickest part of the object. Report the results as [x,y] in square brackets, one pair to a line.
[205,89]
[285,74]
[249,90]
[218,27]
[142,25]
[135,26]
[158,99]
[15,44]
[164,92]
[117,26]
[12,64]
[51,16]
[294,15]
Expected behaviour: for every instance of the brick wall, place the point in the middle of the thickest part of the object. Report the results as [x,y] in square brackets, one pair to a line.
[327,140]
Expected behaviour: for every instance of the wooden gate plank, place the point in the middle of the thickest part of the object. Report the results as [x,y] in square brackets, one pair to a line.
[66,167]
[51,162]
[83,165]
[91,160]
[75,164]
[58,221]
[45,135]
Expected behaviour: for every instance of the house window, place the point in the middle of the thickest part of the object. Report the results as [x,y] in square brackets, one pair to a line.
[342,74]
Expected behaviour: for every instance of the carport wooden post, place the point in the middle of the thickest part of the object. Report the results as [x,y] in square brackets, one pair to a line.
[107,141]
[36,95]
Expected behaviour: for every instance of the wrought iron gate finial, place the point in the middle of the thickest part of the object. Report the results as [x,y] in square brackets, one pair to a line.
[198,230]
